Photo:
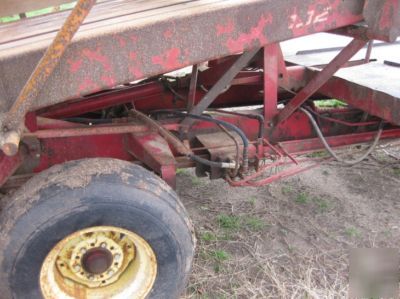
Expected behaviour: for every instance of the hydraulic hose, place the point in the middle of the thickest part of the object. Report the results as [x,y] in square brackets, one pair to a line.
[330,150]
[222,123]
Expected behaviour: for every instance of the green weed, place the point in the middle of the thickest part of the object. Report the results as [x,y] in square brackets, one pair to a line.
[352,232]
[208,237]
[287,190]
[254,223]
[329,103]
[322,204]
[302,198]
[228,222]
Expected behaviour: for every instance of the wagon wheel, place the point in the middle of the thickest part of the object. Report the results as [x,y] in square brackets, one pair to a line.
[95,228]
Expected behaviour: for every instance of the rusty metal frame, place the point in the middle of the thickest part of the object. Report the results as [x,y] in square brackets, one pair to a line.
[320,79]
[221,85]
[13,121]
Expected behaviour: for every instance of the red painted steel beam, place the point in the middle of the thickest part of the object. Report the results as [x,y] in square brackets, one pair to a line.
[313,144]
[153,150]
[8,165]
[383,19]
[271,68]
[373,102]
[320,79]
[104,100]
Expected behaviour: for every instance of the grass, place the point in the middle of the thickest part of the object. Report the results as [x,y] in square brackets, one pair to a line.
[255,224]
[322,204]
[333,103]
[196,181]
[319,154]
[352,232]
[302,198]
[253,201]
[287,190]
[39,12]
[228,222]
[181,171]
[208,237]
[232,223]
[396,172]
[217,257]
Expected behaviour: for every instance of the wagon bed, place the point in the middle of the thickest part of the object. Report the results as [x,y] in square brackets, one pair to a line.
[123,41]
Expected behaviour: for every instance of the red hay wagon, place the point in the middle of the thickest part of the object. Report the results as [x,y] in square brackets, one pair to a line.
[95,124]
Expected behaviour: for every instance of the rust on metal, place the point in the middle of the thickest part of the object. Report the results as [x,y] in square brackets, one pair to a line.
[153,43]
[320,79]
[87,131]
[99,262]
[13,120]
[172,139]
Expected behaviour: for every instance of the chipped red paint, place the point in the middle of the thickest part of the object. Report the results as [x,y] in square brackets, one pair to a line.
[228,28]
[121,41]
[75,65]
[390,8]
[165,44]
[87,84]
[135,66]
[97,56]
[108,80]
[168,33]
[255,37]
[169,60]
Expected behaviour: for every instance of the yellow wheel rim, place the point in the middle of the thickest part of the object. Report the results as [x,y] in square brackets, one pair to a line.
[99,262]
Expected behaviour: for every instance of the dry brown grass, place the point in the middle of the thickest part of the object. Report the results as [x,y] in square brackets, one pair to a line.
[309,223]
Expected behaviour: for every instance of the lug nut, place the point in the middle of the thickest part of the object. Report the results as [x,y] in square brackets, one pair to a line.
[83,250]
[77,268]
[110,272]
[90,277]
[103,245]
[117,257]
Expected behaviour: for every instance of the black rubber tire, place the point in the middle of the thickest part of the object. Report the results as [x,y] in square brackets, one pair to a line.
[93,192]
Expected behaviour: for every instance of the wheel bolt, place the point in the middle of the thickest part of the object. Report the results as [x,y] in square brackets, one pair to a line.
[83,250]
[90,277]
[117,257]
[110,272]
[103,245]
[77,268]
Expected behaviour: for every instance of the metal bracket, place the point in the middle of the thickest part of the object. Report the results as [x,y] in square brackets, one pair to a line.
[219,87]
[320,79]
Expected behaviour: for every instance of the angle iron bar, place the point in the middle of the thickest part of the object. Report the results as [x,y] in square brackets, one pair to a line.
[218,88]
[320,79]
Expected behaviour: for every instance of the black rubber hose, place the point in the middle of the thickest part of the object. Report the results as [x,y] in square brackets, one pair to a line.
[222,123]
[206,162]
[330,150]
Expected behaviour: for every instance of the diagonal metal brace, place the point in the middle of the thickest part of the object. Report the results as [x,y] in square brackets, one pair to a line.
[320,79]
[219,87]
[13,122]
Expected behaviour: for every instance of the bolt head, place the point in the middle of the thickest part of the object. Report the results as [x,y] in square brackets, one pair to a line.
[117,257]
[77,268]
[103,245]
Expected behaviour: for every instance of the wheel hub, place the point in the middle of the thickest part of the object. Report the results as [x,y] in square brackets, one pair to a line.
[98,260]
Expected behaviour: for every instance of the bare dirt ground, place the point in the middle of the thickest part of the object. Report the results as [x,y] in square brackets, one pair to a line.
[291,239]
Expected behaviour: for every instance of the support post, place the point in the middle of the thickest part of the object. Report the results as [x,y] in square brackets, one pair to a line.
[271,60]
